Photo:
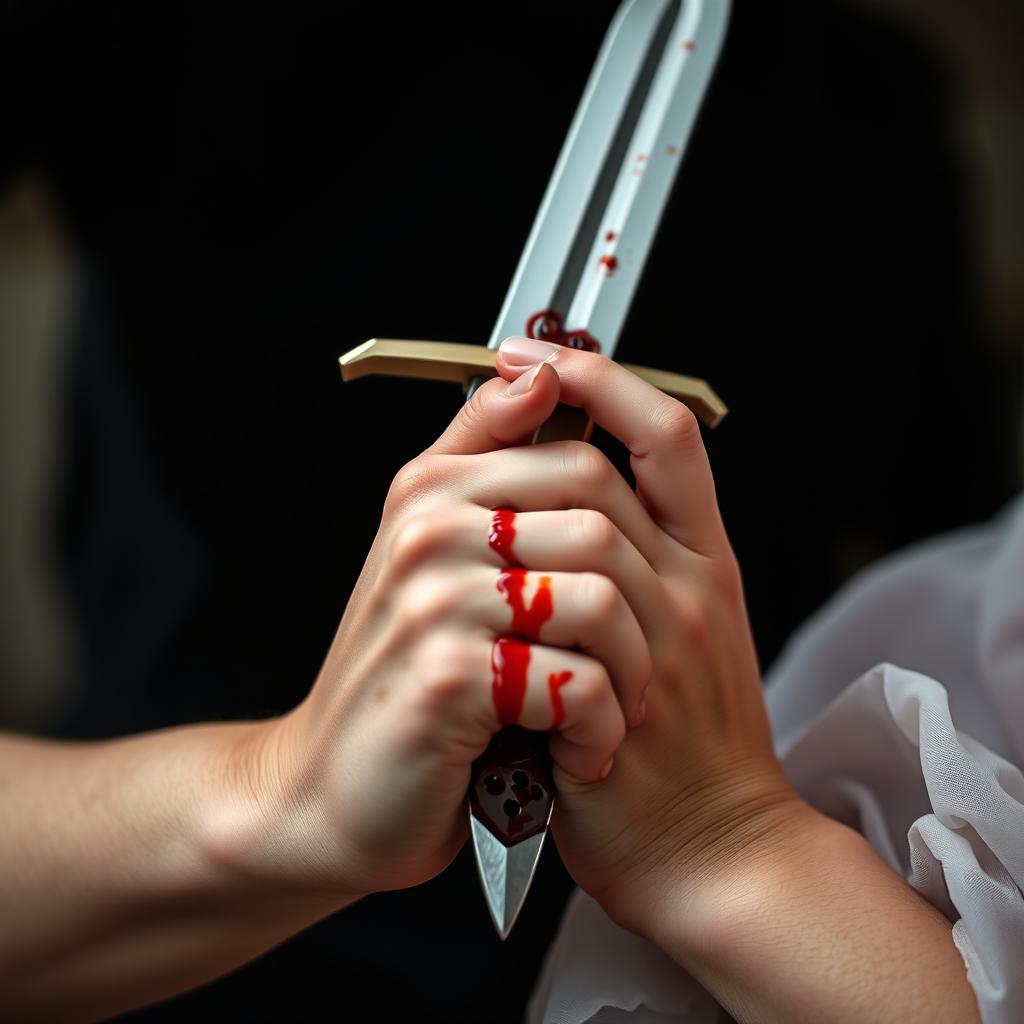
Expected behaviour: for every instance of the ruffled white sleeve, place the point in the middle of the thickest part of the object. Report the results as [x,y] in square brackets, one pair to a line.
[898,709]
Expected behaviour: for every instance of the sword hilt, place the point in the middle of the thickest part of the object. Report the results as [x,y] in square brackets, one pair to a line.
[471,365]
[512,790]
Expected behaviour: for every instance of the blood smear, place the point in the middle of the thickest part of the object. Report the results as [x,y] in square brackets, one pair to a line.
[502,534]
[555,683]
[526,622]
[510,658]
[510,654]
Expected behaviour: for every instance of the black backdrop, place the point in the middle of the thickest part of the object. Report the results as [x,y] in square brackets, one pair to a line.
[252,194]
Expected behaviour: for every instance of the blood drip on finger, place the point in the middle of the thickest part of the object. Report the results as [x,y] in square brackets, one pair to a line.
[510,653]
[555,683]
[502,534]
[526,622]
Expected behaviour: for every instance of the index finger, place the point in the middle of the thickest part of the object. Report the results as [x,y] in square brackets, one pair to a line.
[667,454]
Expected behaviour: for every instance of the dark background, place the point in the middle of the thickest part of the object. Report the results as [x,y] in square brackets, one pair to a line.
[246,196]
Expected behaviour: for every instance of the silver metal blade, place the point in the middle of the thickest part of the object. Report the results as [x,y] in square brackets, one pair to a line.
[599,216]
[505,872]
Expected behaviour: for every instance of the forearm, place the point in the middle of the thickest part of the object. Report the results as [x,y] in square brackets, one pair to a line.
[817,927]
[119,883]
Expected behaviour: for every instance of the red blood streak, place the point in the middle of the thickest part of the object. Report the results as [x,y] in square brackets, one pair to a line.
[510,658]
[555,682]
[510,655]
[503,534]
[610,263]
[549,325]
[611,236]
[526,622]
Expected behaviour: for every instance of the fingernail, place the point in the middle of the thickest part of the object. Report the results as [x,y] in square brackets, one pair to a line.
[524,351]
[523,382]
[607,768]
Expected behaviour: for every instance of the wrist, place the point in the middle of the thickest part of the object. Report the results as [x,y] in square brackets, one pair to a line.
[725,828]
[262,823]
[728,891]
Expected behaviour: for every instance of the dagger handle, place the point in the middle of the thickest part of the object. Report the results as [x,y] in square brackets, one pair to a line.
[512,789]
[566,423]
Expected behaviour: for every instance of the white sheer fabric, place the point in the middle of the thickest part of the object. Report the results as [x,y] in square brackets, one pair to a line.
[898,708]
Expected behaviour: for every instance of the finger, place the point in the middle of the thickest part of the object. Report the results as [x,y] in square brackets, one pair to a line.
[573,540]
[667,454]
[584,610]
[499,415]
[558,475]
[469,684]
[570,540]
[568,692]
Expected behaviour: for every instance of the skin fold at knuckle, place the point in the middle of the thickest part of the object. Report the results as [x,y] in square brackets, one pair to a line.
[692,619]
[415,539]
[727,580]
[600,599]
[588,466]
[596,717]
[415,479]
[444,673]
[427,601]
[675,424]
[590,532]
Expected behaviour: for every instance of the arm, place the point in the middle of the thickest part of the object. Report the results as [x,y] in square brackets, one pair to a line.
[114,885]
[806,922]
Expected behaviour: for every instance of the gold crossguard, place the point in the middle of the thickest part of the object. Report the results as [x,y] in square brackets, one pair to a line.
[448,360]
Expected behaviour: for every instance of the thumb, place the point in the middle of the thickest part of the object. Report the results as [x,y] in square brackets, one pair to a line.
[500,415]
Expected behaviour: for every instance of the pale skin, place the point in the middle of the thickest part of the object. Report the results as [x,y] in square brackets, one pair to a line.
[135,869]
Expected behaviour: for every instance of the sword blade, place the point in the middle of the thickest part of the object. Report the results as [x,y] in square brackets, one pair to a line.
[506,873]
[583,261]
[597,221]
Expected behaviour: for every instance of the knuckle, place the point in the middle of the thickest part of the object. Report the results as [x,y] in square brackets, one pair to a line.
[727,580]
[592,689]
[677,423]
[600,596]
[445,672]
[585,463]
[426,601]
[416,539]
[692,619]
[411,482]
[593,531]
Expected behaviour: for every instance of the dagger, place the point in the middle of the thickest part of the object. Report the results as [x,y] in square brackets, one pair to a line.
[573,286]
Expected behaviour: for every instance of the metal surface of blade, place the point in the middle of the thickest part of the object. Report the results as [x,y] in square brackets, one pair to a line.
[505,872]
[598,218]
